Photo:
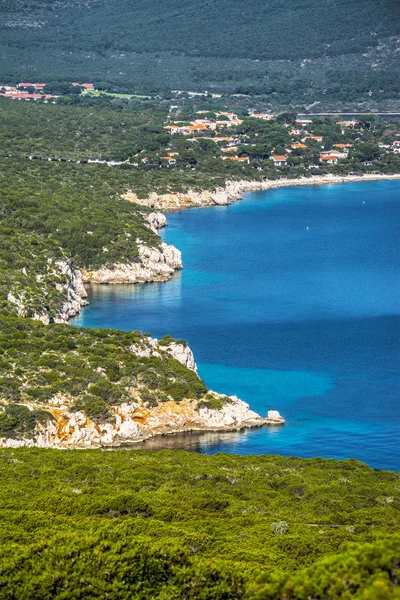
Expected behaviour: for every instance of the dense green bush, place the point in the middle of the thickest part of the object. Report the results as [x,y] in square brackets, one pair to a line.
[174,525]
[366,572]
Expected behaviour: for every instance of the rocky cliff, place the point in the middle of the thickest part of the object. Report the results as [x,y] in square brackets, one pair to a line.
[231,192]
[155,264]
[68,283]
[132,422]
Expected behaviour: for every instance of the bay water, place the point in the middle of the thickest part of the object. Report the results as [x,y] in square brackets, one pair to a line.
[290,300]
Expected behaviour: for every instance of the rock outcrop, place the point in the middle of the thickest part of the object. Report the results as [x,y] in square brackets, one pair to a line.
[155,264]
[75,291]
[233,191]
[133,422]
[179,351]
[183,353]
[68,281]
[156,220]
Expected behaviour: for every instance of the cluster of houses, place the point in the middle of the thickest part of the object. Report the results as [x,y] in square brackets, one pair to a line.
[202,125]
[199,127]
[300,133]
[25,91]
[326,157]
[33,91]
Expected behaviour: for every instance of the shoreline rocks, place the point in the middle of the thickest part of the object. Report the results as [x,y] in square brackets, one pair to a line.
[155,264]
[233,191]
[156,220]
[133,422]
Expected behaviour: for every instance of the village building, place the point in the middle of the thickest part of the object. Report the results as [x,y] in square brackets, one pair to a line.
[242,159]
[303,122]
[343,146]
[169,160]
[316,138]
[230,149]
[279,161]
[264,116]
[328,159]
[346,123]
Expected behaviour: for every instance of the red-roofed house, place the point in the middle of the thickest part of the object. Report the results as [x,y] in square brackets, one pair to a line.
[243,159]
[328,159]
[346,123]
[279,161]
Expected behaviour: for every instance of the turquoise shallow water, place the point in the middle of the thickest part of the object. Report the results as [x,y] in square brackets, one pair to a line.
[290,300]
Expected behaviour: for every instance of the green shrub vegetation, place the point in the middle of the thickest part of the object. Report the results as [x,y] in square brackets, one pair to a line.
[175,525]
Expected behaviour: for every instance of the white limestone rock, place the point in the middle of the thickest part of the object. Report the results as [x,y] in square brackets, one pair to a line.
[76,292]
[72,287]
[274,418]
[183,353]
[156,220]
[155,264]
[233,414]
[151,347]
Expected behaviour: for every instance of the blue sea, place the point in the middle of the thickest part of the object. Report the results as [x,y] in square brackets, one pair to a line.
[290,300]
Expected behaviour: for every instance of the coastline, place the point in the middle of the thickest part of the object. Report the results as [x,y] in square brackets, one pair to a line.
[233,191]
[159,266]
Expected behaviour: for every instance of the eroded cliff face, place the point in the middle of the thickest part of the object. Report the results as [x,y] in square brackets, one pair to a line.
[67,281]
[155,264]
[132,422]
[231,192]
[153,347]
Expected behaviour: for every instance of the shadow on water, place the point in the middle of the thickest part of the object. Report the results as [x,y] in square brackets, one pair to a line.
[209,442]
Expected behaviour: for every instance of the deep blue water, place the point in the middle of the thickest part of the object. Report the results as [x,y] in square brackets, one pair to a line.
[290,300]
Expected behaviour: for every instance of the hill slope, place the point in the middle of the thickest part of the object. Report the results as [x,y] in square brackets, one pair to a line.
[159,44]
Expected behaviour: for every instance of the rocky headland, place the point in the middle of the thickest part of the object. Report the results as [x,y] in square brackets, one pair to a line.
[135,420]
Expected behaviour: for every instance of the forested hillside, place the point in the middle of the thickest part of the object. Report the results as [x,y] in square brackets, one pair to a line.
[307,50]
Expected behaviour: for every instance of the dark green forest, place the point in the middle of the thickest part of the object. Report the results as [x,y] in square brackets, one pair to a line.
[293,52]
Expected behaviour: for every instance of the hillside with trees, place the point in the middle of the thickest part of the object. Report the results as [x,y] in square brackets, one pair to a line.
[294,51]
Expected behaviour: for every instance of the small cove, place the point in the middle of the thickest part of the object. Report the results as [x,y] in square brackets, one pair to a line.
[290,300]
